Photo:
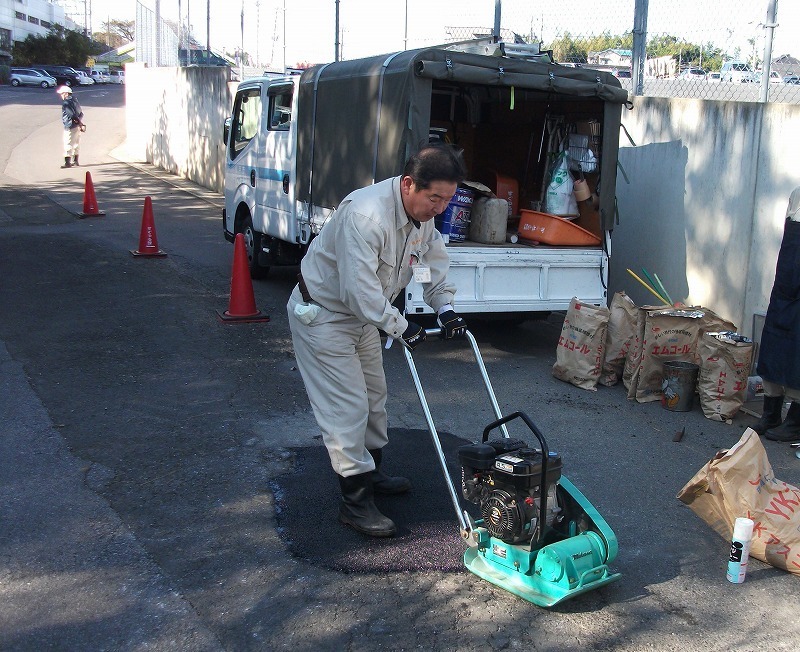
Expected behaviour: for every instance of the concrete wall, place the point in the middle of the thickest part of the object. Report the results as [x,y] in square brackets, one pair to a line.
[175,117]
[702,196]
[704,201]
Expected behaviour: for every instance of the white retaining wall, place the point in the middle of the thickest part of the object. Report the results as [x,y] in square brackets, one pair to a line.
[705,200]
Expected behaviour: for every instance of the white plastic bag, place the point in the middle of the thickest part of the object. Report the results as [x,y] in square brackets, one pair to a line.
[580,156]
[559,199]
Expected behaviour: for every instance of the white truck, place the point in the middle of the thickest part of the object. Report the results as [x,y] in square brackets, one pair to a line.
[297,145]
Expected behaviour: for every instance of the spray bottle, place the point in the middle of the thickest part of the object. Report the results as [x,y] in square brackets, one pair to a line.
[740,550]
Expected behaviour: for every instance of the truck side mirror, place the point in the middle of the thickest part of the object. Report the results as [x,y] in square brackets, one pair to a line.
[226,130]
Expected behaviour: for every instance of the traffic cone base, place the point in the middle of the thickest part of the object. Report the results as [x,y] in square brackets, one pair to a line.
[90,208]
[242,304]
[149,254]
[226,316]
[148,240]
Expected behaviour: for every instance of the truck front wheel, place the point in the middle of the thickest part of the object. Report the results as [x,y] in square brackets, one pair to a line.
[252,243]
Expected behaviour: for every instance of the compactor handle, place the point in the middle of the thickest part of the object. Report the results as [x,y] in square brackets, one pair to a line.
[517,415]
[463,518]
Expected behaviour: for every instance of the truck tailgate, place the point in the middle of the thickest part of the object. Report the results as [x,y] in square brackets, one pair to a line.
[516,278]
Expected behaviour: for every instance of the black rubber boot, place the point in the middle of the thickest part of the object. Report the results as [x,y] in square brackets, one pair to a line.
[358,508]
[75,161]
[67,162]
[387,484]
[789,430]
[770,415]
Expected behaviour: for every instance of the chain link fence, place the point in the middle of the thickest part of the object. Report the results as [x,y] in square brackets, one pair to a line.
[156,39]
[709,50]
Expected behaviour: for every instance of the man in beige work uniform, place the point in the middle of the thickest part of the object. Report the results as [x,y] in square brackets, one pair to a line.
[362,259]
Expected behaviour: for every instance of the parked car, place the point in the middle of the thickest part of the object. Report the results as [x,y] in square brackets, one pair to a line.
[791,79]
[738,72]
[63,74]
[100,77]
[713,76]
[693,73]
[774,77]
[31,77]
[625,73]
[85,78]
[117,76]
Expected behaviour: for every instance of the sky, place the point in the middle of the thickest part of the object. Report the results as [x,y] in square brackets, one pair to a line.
[288,32]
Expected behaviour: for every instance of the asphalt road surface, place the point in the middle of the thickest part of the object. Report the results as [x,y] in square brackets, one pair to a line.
[140,436]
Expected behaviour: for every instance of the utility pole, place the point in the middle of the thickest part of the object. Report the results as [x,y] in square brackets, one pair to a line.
[158,33]
[284,35]
[208,32]
[405,31]
[336,37]
[640,45]
[180,32]
[766,68]
[258,32]
[497,12]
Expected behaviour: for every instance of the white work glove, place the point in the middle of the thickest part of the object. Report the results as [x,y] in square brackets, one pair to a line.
[306,312]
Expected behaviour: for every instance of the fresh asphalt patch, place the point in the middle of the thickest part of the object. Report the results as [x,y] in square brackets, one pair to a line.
[428,537]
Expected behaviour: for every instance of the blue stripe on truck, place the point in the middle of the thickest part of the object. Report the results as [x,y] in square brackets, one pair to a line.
[271,174]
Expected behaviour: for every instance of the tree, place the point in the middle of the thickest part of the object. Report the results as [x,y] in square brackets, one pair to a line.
[118,32]
[61,46]
[125,29]
[111,41]
[577,50]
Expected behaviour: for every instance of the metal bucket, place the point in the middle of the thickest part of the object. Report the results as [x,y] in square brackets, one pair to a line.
[680,379]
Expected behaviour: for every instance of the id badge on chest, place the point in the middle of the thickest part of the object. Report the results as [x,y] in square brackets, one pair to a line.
[422,273]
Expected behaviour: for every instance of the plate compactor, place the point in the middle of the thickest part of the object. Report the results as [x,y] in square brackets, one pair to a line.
[537,536]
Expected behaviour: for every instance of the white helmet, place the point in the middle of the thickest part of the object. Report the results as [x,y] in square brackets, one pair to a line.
[63,89]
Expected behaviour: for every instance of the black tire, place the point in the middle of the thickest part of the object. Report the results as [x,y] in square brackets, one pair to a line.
[252,244]
[15,82]
[45,84]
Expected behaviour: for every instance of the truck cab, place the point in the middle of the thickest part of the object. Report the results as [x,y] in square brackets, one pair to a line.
[260,172]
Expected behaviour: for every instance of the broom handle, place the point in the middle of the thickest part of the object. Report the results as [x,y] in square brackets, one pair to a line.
[660,298]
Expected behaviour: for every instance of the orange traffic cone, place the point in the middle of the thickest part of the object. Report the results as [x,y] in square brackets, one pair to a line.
[148,241]
[89,201]
[242,304]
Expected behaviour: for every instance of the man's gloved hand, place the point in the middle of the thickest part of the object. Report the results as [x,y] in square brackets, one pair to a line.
[452,325]
[413,336]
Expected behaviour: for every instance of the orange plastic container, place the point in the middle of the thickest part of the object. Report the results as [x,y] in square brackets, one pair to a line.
[554,230]
[508,189]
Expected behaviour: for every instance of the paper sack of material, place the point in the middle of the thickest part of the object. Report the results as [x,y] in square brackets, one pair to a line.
[725,360]
[581,347]
[740,482]
[619,338]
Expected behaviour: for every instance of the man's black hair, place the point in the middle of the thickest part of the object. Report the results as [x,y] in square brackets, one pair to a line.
[436,162]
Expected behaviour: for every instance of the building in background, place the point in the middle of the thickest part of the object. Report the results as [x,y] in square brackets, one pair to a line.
[610,60]
[22,18]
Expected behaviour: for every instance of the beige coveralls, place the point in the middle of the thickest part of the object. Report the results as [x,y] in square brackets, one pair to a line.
[354,269]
